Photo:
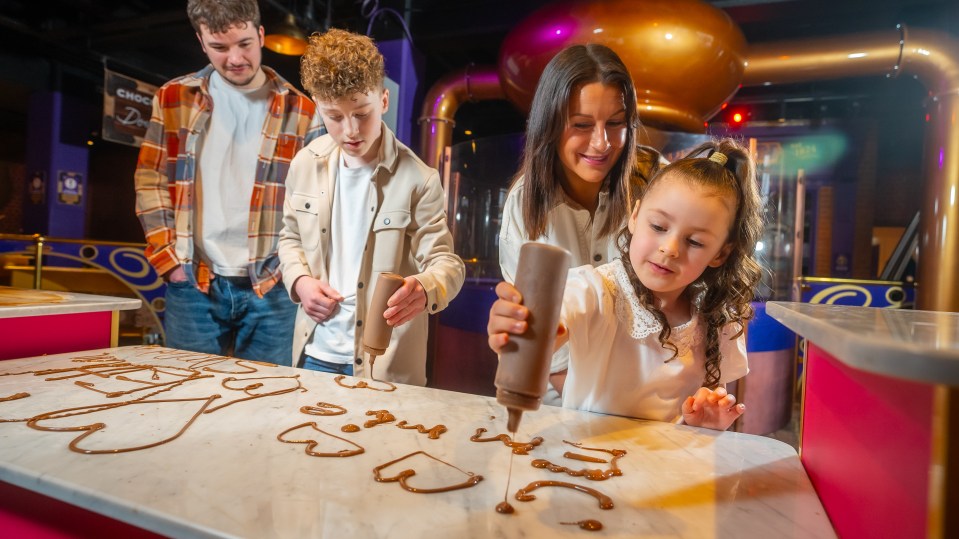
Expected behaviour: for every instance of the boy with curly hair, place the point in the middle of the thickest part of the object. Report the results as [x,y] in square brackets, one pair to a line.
[359,203]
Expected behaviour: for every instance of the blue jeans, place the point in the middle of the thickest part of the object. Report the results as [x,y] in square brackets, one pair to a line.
[313,364]
[231,320]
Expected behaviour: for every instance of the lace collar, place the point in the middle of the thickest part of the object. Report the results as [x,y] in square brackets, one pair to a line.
[633,315]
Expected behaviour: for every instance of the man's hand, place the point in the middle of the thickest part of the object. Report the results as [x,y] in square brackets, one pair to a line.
[318,298]
[408,301]
[176,275]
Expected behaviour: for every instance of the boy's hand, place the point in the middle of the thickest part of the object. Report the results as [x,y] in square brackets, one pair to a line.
[408,301]
[318,298]
[506,316]
[713,409]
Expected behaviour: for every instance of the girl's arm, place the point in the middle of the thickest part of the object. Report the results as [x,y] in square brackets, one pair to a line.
[558,380]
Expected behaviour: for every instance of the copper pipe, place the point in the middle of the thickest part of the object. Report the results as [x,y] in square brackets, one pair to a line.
[471,84]
[932,57]
[781,62]
[928,55]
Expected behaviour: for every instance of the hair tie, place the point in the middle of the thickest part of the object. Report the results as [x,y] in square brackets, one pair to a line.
[718,157]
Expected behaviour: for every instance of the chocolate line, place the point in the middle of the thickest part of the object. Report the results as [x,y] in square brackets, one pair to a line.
[433,433]
[406,474]
[362,384]
[523,494]
[311,444]
[519,448]
[323,408]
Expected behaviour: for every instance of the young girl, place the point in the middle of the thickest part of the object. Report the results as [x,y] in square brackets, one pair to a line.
[573,189]
[657,333]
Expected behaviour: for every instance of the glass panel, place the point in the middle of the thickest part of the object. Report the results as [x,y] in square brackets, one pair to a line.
[480,174]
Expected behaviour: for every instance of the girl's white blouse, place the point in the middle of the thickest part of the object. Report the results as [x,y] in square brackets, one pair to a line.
[617,364]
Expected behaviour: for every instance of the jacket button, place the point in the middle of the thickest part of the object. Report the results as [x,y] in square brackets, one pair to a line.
[434,307]
[358,361]
[597,257]
[386,221]
[359,284]
[359,323]
[307,205]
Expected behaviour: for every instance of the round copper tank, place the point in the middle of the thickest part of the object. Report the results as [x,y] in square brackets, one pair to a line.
[686,57]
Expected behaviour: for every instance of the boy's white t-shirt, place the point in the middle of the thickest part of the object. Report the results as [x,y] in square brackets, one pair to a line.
[226,174]
[333,339]
[617,364]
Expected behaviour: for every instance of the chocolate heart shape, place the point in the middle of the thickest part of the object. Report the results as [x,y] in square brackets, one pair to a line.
[404,475]
[123,432]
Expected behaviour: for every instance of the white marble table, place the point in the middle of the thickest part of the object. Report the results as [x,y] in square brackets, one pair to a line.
[228,475]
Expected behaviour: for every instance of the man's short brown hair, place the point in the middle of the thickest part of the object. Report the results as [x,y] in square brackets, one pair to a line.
[219,15]
[338,64]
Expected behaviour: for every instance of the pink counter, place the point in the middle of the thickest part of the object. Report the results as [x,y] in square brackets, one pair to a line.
[871,436]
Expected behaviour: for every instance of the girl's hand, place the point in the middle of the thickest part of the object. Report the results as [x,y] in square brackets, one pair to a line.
[506,316]
[713,409]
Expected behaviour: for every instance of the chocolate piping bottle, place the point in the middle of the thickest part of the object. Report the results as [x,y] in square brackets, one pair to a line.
[376,336]
[523,371]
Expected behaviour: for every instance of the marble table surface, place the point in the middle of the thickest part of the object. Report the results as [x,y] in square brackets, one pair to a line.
[188,445]
[922,346]
[71,303]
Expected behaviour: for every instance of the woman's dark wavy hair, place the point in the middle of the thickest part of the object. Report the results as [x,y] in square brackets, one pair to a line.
[721,295]
[569,69]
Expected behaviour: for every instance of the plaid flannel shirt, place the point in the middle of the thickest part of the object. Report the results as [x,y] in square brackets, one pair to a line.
[166,173]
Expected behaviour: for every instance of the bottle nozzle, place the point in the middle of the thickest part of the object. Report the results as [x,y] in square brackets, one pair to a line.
[515,415]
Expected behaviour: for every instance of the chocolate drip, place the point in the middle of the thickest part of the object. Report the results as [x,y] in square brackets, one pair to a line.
[433,433]
[381,416]
[323,408]
[588,525]
[520,448]
[362,384]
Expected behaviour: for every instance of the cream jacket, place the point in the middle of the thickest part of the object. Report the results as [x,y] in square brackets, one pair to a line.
[409,236]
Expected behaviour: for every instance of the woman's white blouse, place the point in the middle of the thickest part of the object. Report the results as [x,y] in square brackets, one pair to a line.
[617,364]
[568,225]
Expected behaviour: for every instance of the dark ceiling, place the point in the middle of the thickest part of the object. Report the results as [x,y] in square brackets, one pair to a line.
[64,44]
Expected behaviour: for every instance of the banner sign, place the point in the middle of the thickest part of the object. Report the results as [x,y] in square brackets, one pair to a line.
[127,105]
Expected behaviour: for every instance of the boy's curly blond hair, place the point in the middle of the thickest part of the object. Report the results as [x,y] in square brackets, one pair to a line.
[338,64]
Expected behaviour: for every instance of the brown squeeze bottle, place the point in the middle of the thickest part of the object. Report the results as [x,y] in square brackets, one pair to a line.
[376,336]
[523,370]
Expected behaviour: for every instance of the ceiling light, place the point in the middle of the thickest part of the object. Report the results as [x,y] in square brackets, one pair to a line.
[287,38]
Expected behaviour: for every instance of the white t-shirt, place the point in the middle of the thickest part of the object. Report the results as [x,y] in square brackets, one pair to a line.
[333,339]
[617,364]
[227,172]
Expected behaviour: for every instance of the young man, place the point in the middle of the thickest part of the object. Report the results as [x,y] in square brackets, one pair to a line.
[210,184]
[359,203]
